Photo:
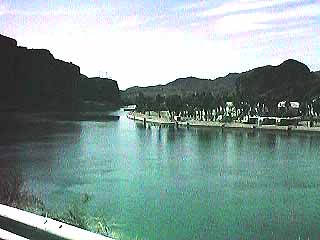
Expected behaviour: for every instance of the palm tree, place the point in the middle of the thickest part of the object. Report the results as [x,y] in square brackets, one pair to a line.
[149,104]
[173,104]
[141,102]
[158,103]
[316,106]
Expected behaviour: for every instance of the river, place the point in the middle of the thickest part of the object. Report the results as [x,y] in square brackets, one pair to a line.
[169,183]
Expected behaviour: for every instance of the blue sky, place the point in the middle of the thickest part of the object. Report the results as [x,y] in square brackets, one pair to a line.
[143,43]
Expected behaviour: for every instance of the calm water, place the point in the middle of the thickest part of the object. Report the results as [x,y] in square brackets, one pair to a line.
[167,183]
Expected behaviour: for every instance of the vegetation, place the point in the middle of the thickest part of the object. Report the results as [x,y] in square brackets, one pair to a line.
[15,193]
[206,107]
[258,90]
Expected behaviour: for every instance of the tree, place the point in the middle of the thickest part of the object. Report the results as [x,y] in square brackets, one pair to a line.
[208,105]
[158,103]
[316,106]
[141,102]
[149,104]
[173,104]
[189,105]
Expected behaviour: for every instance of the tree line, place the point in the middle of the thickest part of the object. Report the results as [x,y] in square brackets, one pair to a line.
[207,107]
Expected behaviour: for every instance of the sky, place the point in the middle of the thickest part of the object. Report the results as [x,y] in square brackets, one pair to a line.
[144,42]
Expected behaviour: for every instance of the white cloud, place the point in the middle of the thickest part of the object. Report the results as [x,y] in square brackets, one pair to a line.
[44,13]
[100,40]
[241,5]
[237,24]
[148,58]
[129,22]
[247,22]
[3,9]
[191,6]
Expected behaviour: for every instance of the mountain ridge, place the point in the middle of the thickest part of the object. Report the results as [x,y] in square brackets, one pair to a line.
[290,79]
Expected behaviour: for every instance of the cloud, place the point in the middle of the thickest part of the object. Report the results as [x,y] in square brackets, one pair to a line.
[145,45]
[144,58]
[112,18]
[190,6]
[132,22]
[255,21]
[3,9]
[45,13]
[242,5]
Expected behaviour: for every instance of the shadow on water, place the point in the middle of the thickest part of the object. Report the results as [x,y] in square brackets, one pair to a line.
[35,147]
[164,182]
[17,128]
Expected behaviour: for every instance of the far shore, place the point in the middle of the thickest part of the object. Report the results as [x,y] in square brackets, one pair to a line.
[232,125]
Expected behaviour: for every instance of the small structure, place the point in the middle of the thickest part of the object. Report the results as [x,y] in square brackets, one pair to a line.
[251,119]
[230,109]
[288,121]
[282,105]
[289,108]
[177,118]
[130,108]
[268,121]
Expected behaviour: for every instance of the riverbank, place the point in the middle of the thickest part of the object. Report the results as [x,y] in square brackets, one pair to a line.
[232,125]
[149,118]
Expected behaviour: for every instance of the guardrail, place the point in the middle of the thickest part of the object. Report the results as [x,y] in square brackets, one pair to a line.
[44,224]
[5,235]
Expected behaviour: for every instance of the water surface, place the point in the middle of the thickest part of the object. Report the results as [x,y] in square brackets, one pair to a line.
[169,183]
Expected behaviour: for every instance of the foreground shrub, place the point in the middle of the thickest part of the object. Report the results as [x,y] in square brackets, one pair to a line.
[15,193]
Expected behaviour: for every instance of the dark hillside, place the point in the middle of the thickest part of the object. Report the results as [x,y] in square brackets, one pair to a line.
[291,79]
[33,80]
[101,90]
[185,86]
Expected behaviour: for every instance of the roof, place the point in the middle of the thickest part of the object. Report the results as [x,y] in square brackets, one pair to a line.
[282,104]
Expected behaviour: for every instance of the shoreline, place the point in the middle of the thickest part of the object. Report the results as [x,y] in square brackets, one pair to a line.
[234,125]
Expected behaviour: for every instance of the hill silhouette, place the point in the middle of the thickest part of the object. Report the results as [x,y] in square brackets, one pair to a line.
[33,80]
[291,79]
[99,91]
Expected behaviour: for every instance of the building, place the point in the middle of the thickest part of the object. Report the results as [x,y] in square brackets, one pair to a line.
[289,108]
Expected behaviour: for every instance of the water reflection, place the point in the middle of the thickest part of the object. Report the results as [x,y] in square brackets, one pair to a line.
[164,182]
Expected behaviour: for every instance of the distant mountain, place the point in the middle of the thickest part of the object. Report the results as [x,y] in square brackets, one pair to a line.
[315,90]
[291,79]
[185,86]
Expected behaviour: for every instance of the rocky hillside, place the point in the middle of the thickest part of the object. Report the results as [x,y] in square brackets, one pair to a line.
[185,86]
[291,79]
[95,89]
[33,80]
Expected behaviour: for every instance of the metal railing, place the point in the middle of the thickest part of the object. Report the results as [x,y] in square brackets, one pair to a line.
[43,224]
[5,235]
